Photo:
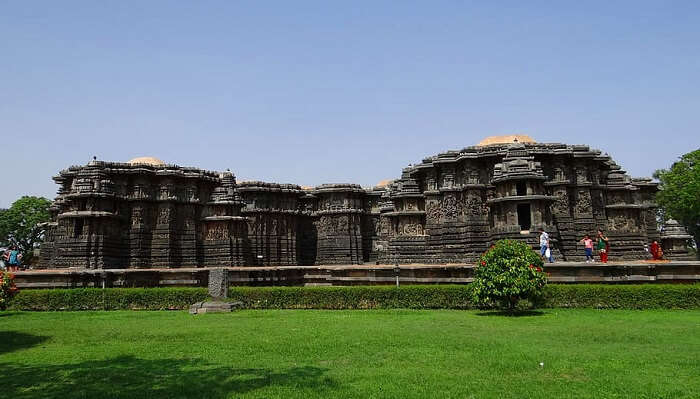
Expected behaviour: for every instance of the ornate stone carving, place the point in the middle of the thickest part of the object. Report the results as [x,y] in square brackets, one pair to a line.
[216,232]
[385,227]
[164,216]
[433,212]
[411,205]
[411,229]
[450,207]
[583,202]
[473,206]
[581,175]
[136,216]
[332,225]
[560,206]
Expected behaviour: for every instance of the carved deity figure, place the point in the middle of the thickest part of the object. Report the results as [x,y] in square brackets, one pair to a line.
[583,202]
[450,207]
[164,216]
[136,216]
[560,205]
[410,205]
[581,175]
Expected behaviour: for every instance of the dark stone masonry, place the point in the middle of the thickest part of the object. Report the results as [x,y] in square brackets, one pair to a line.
[447,209]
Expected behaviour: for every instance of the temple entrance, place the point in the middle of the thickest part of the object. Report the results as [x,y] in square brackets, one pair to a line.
[524,217]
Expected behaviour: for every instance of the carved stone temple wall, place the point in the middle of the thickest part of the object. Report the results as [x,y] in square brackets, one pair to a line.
[447,209]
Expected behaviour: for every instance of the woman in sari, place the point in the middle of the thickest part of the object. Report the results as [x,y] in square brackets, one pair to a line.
[655,250]
[603,246]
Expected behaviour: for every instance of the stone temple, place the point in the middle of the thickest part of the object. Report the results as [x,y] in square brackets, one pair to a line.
[446,209]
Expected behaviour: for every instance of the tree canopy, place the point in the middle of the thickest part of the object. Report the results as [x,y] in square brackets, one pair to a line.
[679,194]
[20,225]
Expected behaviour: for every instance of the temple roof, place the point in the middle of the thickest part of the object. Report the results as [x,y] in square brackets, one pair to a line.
[147,161]
[507,139]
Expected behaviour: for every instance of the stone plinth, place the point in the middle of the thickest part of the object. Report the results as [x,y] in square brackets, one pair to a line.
[214,307]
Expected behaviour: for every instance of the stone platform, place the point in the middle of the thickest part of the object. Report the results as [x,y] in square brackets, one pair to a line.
[560,272]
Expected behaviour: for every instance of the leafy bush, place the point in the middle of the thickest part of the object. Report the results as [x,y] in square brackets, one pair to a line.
[506,274]
[7,288]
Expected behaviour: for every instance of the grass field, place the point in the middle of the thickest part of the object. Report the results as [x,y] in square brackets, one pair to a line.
[360,354]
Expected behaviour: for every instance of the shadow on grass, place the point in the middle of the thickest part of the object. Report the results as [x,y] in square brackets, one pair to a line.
[517,313]
[15,340]
[130,377]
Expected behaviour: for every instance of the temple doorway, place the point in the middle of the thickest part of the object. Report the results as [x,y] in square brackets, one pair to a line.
[524,217]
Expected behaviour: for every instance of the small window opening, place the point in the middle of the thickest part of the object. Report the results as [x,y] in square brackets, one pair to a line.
[521,188]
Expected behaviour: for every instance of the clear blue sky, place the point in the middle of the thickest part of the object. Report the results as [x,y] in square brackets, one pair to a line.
[321,92]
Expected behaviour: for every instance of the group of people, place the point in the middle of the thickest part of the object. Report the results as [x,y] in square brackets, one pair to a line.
[11,259]
[602,244]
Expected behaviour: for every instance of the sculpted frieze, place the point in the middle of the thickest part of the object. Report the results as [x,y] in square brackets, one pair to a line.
[164,216]
[560,206]
[218,231]
[433,212]
[583,202]
[473,206]
[450,207]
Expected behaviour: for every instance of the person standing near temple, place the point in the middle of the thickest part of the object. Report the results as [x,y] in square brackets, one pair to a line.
[4,256]
[14,257]
[602,246]
[655,250]
[545,248]
[588,248]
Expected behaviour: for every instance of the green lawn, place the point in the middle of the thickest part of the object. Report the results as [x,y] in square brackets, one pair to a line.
[361,354]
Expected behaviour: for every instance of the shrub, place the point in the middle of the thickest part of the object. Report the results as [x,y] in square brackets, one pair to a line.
[355,297]
[506,274]
[622,296]
[7,288]
[108,299]
[617,296]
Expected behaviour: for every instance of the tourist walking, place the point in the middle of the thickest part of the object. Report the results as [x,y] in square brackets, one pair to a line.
[588,247]
[545,248]
[603,246]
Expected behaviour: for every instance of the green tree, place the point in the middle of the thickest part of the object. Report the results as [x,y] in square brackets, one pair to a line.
[21,224]
[679,194]
[508,273]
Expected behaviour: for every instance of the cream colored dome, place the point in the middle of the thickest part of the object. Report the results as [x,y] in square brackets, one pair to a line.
[507,139]
[384,183]
[147,161]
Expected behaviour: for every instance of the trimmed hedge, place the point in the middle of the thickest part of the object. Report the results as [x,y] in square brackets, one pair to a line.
[355,297]
[108,299]
[644,296]
[637,296]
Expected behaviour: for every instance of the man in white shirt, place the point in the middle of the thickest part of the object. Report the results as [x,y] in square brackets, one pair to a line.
[544,246]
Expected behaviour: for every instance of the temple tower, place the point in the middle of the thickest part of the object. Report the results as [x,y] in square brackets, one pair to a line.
[338,220]
[674,240]
[520,206]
